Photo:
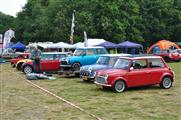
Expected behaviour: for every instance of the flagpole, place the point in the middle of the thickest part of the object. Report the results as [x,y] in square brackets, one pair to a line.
[72,28]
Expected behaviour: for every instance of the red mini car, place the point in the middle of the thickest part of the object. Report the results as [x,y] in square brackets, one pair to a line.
[168,55]
[19,57]
[136,71]
[49,62]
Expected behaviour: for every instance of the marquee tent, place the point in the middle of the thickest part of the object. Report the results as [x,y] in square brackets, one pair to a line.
[94,42]
[128,44]
[130,47]
[77,45]
[19,46]
[162,44]
[63,45]
[108,44]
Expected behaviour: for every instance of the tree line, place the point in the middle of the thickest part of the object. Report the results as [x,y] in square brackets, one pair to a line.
[112,20]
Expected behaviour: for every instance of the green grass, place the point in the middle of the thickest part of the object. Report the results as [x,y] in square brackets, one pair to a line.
[19,100]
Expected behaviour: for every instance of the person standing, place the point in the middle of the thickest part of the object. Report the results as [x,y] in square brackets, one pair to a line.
[36,58]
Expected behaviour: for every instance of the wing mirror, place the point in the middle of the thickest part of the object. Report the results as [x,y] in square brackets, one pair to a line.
[131,68]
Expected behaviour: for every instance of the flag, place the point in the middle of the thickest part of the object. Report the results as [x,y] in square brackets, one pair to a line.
[9,34]
[85,40]
[1,38]
[72,28]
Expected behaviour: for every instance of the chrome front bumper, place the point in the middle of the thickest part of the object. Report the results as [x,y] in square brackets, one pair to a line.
[107,85]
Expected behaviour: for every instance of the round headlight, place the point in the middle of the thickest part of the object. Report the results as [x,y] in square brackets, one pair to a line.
[106,76]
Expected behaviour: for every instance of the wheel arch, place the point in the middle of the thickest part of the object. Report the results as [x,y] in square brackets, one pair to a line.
[76,62]
[166,75]
[121,79]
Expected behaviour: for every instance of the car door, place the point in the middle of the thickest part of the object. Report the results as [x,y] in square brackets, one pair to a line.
[90,57]
[46,62]
[139,73]
[157,69]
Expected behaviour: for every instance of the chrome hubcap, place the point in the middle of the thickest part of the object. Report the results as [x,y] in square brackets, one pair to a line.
[27,69]
[119,86]
[167,82]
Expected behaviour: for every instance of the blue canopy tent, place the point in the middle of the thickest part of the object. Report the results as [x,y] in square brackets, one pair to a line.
[130,45]
[108,44]
[19,46]
[10,44]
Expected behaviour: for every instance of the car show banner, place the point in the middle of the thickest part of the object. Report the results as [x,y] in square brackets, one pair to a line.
[9,34]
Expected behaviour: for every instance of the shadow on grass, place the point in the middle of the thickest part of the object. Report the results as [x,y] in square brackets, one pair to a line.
[108,89]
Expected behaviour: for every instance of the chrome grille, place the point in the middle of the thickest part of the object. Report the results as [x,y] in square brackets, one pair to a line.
[84,73]
[100,79]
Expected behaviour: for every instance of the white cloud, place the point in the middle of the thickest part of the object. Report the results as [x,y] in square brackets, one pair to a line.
[11,7]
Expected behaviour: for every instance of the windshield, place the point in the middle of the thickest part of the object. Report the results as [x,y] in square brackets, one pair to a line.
[122,64]
[112,61]
[103,60]
[79,52]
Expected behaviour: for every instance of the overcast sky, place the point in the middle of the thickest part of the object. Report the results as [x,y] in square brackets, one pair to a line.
[11,7]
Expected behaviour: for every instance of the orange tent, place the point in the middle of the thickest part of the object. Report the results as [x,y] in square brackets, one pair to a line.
[162,44]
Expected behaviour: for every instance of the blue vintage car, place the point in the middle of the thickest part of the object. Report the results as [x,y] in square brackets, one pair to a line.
[82,56]
[88,72]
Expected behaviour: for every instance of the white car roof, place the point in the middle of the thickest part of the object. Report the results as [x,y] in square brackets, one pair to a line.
[142,57]
[116,55]
[55,52]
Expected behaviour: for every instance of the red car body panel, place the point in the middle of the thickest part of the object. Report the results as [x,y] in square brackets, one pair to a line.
[20,57]
[46,65]
[167,54]
[137,77]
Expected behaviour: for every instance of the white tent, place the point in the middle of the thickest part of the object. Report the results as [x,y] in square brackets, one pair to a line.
[63,45]
[94,42]
[77,45]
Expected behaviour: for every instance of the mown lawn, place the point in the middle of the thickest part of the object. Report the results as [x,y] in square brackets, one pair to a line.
[21,101]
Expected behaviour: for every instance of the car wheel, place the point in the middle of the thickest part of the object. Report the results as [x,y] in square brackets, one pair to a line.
[19,66]
[77,75]
[119,86]
[167,59]
[27,69]
[76,67]
[166,83]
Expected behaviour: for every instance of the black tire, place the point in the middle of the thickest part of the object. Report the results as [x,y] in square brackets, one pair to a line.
[77,74]
[119,86]
[167,59]
[76,66]
[27,69]
[19,66]
[166,82]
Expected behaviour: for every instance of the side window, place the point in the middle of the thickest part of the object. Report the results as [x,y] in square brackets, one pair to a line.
[50,57]
[47,57]
[89,51]
[139,64]
[155,63]
[59,56]
[100,51]
[112,61]
[43,57]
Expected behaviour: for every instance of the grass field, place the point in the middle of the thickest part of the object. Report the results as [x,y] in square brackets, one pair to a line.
[21,101]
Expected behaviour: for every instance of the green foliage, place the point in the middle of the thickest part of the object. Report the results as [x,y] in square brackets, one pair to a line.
[6,22]
[116,21]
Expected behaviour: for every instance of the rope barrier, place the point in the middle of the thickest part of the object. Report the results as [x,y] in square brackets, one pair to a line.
[60,98]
